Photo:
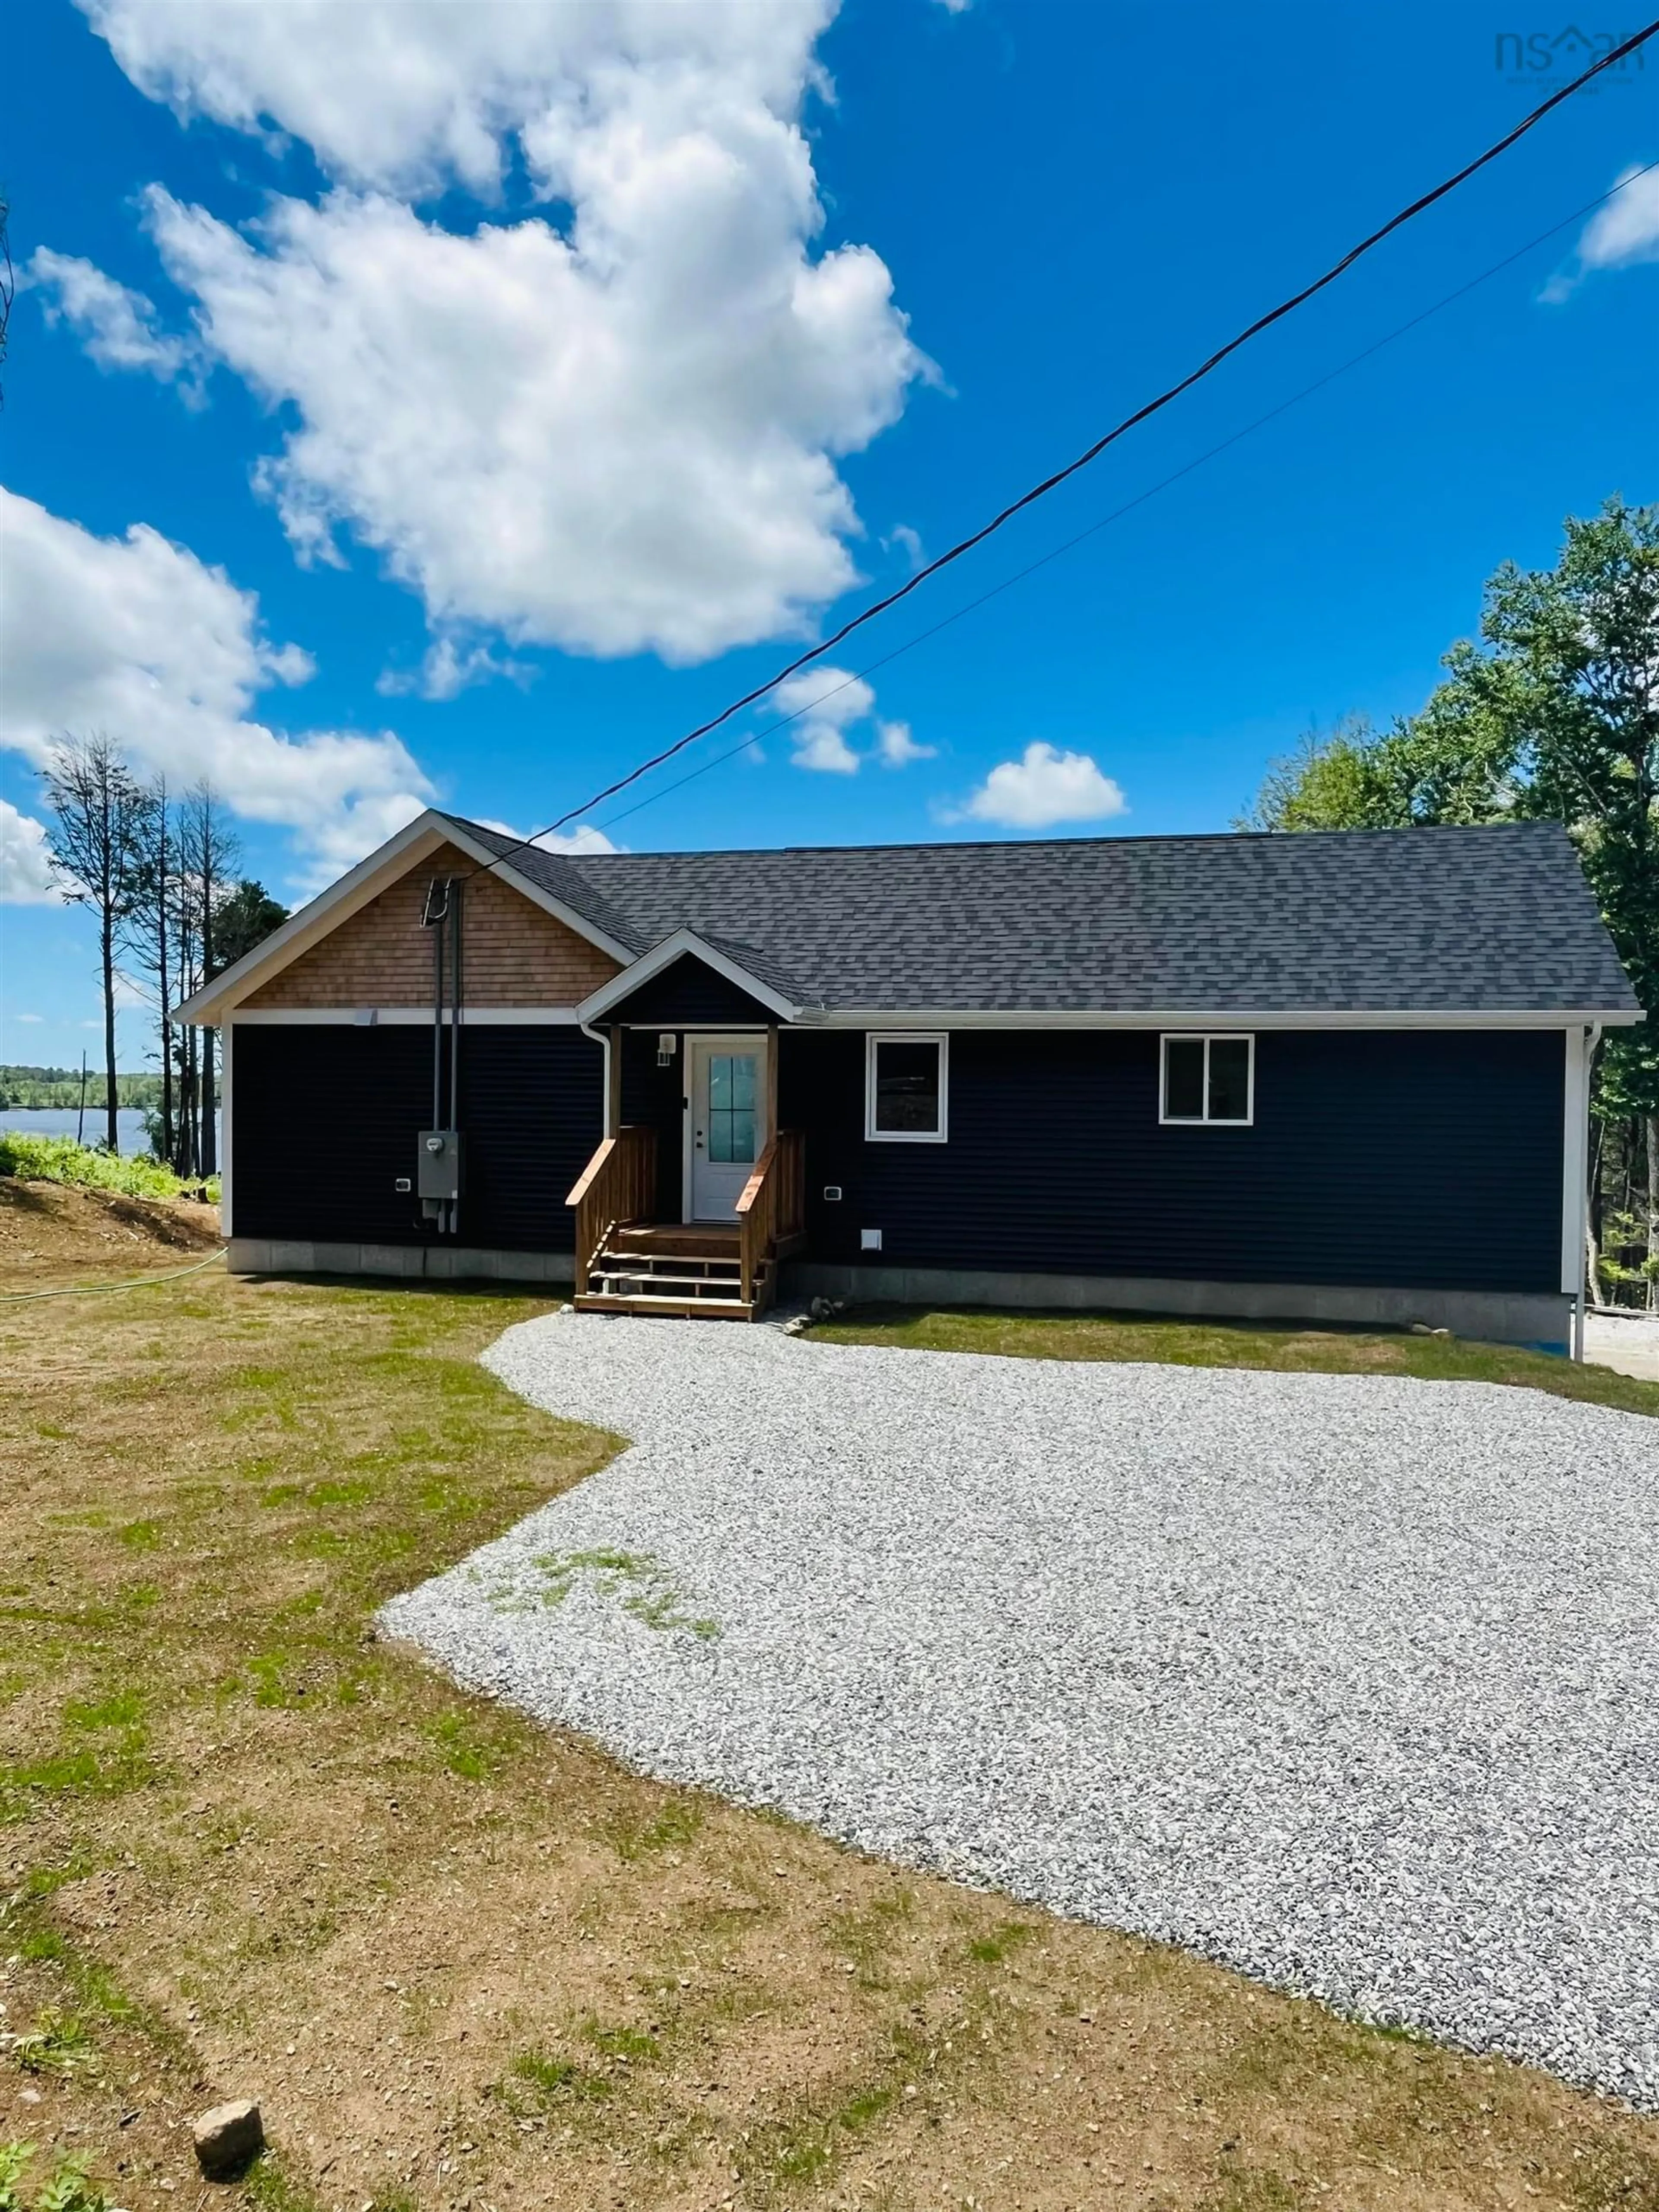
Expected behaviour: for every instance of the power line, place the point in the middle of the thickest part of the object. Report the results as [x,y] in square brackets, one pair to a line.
[1287,306]
[1068,544]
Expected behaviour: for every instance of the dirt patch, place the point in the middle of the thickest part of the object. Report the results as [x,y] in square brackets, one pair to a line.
[54,1232]
[466,1961]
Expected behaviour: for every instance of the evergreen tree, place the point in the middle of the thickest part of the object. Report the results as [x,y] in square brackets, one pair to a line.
[1554,713]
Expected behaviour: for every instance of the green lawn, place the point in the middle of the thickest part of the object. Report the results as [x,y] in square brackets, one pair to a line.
[1177,1343]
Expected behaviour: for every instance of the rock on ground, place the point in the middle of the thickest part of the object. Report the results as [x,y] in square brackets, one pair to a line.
[227,2138]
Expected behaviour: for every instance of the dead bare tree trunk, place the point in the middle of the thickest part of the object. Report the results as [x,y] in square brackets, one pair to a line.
[99,821]
[208,852]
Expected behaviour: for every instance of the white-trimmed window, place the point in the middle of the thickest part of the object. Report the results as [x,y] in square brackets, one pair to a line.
[906,1087]
[1208,1078]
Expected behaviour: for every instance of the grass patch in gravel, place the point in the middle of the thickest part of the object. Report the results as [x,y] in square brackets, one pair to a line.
[459,1956]
[1176,1343]
[640,1585]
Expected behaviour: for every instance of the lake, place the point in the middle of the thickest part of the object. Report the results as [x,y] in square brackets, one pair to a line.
[59,1122]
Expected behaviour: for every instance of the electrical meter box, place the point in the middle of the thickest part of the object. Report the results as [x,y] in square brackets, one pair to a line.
[439,1175]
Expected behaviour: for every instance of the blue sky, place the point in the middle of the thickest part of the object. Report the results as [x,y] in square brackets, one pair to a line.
[461,403]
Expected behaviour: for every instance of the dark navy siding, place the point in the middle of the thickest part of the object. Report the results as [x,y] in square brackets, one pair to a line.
[1423,1159]
[532,1110]
[325,1118]
[654,1098]
[688,990]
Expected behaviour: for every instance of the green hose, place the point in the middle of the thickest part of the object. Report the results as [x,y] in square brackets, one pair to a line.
[138,1283]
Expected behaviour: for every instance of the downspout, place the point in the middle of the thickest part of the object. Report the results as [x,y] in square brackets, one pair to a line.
[1592,1040]
[602,1038]
[454,1122]
[434,921]
[434,914]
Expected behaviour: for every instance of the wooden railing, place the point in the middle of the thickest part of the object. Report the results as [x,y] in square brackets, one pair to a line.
[618,1184]
[772,1210]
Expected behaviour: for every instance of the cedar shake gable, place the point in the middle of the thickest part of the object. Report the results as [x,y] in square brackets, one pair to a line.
[515,955]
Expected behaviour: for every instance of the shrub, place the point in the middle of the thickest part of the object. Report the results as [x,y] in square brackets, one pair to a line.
[60,1159]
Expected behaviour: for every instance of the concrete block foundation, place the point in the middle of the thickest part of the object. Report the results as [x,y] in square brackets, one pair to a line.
[427,1263]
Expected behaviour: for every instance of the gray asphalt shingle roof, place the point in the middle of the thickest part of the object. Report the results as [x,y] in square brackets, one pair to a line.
[1488,920]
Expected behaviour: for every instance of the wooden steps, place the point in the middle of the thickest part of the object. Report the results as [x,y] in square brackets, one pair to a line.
[674,1309]
[689,1270]
[626,1262]
[691,1240]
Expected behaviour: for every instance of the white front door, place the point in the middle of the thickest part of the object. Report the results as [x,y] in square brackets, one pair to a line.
[727,1121]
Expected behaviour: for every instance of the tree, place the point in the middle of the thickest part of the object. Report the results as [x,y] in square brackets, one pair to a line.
[149,934]
[243,919]
[96,840]
[207,852]
[1554,714]
[1450,763]
[1328,781]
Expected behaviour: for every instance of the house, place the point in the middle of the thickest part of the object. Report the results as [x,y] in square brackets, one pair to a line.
[1336,1077]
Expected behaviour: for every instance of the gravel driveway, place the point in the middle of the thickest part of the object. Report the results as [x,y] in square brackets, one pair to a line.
[1351,1682]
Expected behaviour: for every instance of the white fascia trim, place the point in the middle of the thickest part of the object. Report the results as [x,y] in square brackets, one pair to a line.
[369,1017]
[352,892]
[598,1003]
[1227,1019]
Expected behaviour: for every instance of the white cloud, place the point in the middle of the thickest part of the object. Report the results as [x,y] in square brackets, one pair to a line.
[908,542]
[28,1017]
[1618,235]
[116,325]
[828,703]
[406,97]
[584,838]
[820,746]
[131,995]
[613,434]
[1041,787]
[447,669]
[136,637]
[897,748]
[25,873]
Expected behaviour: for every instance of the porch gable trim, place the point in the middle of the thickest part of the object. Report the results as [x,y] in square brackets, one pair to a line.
[683,944]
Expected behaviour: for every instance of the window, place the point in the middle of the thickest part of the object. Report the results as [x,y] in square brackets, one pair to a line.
[731,1107]
[905,1089]
[1208,1078]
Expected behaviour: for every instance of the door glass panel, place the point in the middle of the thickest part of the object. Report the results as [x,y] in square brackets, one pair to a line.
[731,1107]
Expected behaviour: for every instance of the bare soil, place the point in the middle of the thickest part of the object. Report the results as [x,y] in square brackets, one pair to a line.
[54,1232]
[468,1963]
